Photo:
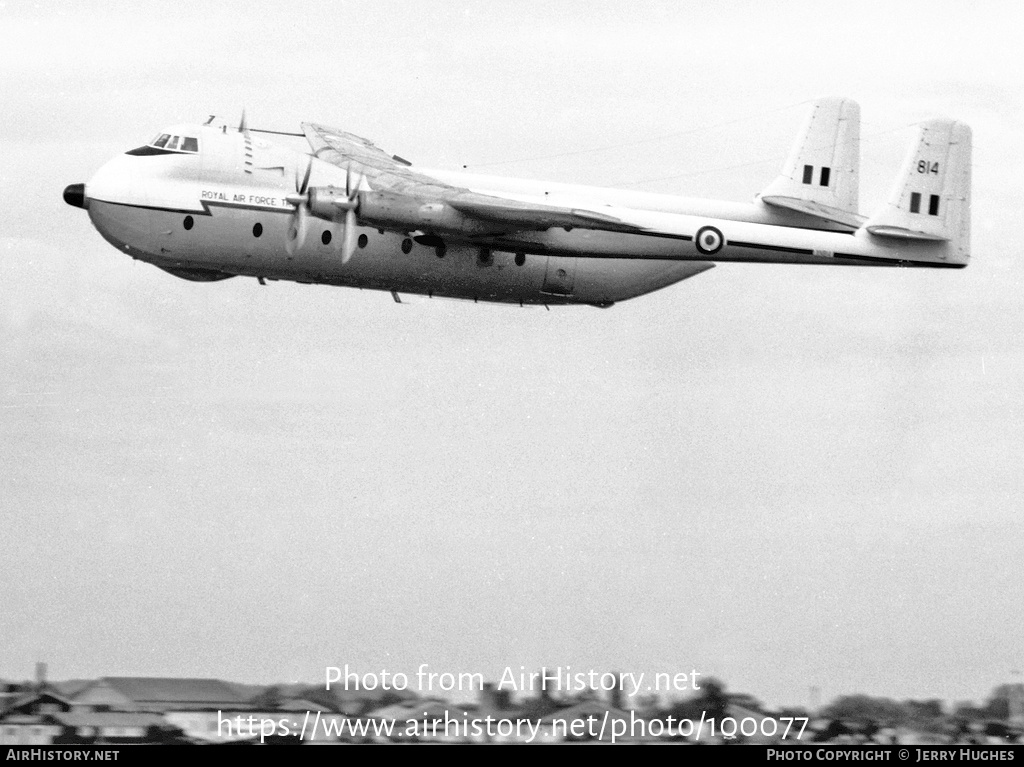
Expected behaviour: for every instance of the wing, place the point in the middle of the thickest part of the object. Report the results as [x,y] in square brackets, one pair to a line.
[395,183]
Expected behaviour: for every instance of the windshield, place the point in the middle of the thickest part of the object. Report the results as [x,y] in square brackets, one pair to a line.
[175,143]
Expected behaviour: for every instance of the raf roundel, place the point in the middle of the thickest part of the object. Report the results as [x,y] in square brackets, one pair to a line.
[709,240]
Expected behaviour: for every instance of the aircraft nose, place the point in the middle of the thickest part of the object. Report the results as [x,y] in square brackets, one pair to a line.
[74,194]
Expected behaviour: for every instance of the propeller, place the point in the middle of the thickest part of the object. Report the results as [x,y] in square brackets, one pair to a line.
[297,231]
[349,205]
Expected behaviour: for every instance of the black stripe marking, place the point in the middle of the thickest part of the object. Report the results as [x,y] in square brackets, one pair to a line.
[776,248]
[897,262]
[665,236]
[205,211]
[539,249]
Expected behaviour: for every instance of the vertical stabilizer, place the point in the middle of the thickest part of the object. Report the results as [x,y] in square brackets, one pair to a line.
[931,199]
[821,176]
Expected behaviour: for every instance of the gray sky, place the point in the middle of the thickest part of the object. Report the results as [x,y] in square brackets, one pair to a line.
[783,476]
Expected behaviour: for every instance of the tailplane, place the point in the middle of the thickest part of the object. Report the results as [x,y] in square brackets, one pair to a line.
[821,176]
[931,199]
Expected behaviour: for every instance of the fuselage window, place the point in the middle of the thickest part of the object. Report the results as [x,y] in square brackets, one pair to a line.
[520,259]
[325,238]
[188,222]
[363,240]
[406,245]
[257,229]
[189,144]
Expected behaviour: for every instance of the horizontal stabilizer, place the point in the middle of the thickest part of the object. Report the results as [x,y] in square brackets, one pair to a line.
[823,168]
[904,234]
[816,209]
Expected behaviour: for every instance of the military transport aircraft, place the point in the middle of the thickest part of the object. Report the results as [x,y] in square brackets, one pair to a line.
[207,202]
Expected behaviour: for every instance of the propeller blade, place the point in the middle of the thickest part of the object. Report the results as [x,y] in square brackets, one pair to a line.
[301,187]
[352,189]
[297,231]
[337,236]
[350,235]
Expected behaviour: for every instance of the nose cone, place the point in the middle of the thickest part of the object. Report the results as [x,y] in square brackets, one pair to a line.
[74,194]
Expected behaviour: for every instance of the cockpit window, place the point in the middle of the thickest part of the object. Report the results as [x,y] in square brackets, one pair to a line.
[175,143]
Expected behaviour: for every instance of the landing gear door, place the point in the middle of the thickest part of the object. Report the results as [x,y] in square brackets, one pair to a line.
[560,276]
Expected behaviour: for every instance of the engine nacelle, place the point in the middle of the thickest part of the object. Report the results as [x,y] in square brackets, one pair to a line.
[397,212]
[328,202]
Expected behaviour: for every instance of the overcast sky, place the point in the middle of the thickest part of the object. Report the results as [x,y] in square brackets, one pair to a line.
[782,476]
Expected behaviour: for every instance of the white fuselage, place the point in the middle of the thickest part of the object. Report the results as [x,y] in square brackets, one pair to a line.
[222,211]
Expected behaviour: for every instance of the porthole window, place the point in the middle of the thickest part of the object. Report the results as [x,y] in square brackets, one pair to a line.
[485,257]
[325,238]
[520,259]
[406,245]
[257,229]
[363,241]
[440,249]
[188,222]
